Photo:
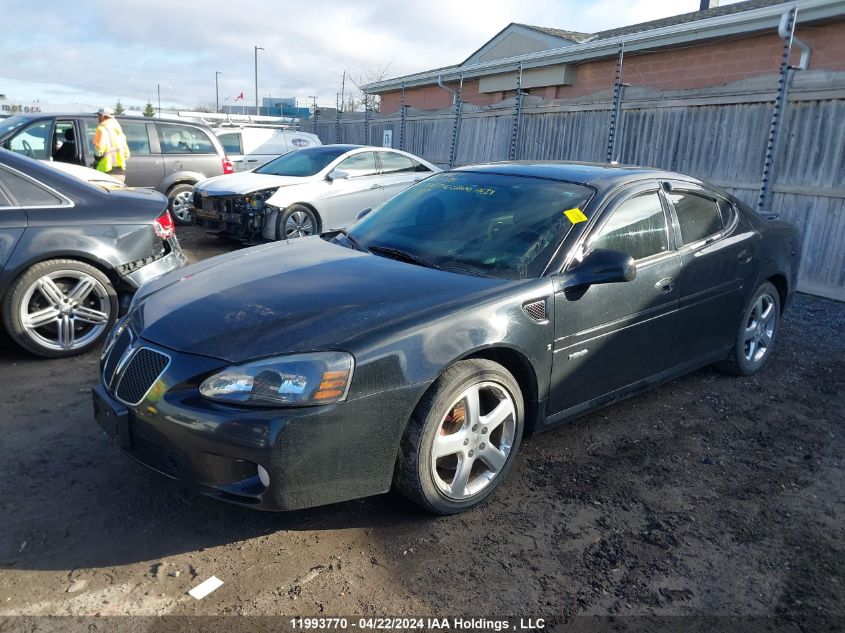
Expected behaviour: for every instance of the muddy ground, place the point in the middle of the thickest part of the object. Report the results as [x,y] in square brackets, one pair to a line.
[712,495]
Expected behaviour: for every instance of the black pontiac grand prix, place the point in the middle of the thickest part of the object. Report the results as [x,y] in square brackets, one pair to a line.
[416,349]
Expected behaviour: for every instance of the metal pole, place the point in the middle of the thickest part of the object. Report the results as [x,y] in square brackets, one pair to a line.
[617,105]
[366,120]
[257,48]
[402,107]
[315,113]
[456,127]
[787,32]
[217,73]
[517,114]
[342,89]
[158,89]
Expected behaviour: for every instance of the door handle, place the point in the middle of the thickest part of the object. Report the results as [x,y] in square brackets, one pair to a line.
[745,256]
[375,186]
[665,286]
[252,160]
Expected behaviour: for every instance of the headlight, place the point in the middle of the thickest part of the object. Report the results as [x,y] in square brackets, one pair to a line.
[115,333]
[294,380]
[255,200]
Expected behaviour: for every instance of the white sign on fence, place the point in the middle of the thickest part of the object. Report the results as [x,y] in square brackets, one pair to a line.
[387,140]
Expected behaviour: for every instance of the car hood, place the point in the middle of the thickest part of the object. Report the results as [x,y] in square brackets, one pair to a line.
[301,295]
[246,182]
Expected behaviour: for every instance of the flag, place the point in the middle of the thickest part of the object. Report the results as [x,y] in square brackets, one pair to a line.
[240,96]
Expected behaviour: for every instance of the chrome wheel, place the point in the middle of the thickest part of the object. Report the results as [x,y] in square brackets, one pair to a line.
[65,310]
[473,441]
[760,329]
[299,224]
[181,203]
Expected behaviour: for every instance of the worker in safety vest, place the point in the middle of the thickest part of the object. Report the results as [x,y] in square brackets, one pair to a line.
[110,147]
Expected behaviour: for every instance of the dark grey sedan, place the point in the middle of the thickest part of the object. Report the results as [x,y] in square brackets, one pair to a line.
[69,250]
[417,348]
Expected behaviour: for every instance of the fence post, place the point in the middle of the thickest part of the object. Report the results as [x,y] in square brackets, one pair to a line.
[456,127]
[366,119]
[517,113]
[616,109]
[402,119]
[787,31]
[337,119]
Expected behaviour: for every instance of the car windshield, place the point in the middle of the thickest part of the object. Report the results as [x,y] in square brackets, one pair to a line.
[12,123]
[304,162]
[497,225]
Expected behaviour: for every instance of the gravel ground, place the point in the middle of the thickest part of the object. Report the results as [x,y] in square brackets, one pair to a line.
[711,495]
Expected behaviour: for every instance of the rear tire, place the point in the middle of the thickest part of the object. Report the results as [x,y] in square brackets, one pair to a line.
[757,332]
[180,201]
[462,438]
[59,308]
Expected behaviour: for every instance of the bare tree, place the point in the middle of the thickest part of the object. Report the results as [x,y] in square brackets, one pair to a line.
[354,97]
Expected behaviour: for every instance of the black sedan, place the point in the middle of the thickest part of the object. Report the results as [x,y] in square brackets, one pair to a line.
[418,348]
[69,250]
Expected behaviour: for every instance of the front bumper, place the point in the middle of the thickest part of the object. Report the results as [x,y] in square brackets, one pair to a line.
[313,455]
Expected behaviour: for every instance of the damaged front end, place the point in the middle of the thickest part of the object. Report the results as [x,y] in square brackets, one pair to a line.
[239,216]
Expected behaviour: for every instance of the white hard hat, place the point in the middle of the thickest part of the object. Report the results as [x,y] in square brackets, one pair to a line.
[105,112]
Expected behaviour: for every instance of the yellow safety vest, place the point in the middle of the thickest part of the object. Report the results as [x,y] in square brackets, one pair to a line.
[110,143]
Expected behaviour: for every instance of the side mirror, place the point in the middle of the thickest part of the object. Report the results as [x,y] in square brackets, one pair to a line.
[337,174]
[362,213]
[601,267]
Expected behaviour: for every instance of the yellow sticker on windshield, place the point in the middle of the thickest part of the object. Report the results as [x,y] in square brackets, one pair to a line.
[575,215]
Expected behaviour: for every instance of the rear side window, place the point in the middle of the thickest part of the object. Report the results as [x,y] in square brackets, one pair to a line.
[637,227]
[231,142]
[182,139]
[137,138]
[699,216]
[26,192]
[395,163]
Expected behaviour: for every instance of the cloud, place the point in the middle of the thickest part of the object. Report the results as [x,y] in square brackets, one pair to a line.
[128,49]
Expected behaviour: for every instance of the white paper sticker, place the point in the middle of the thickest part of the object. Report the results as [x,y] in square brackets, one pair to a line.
[205,587]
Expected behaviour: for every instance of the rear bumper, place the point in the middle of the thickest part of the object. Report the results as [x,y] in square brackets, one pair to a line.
[173,260]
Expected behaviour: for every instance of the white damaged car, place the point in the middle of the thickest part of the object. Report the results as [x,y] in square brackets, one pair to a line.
[306,192]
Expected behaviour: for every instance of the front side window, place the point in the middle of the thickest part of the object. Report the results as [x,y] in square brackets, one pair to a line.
[26,192]
[183,139]
[637,227]
[35,141]
[363,164]
[490,224]
[699,216]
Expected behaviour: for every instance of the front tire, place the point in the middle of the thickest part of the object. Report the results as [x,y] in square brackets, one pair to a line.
[180,201]
[296,221]
[462,439]
[757,331]
[59,308]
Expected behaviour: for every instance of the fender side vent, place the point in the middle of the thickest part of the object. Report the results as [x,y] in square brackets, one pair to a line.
[535,309]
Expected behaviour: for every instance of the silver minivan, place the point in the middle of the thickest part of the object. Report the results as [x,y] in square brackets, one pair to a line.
[167,155]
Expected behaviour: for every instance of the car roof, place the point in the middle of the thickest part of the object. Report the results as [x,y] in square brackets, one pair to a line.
[596,174]
[35,116]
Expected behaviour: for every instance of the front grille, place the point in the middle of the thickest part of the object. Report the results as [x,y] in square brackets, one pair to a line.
[142,370]
[536,309]
[115,354]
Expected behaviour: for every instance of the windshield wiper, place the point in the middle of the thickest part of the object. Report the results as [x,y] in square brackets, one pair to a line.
[353,241]
[399,254]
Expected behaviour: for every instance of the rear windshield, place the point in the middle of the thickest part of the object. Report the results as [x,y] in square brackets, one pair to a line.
[304,162]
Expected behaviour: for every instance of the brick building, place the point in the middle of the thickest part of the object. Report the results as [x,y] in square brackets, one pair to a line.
[701,49]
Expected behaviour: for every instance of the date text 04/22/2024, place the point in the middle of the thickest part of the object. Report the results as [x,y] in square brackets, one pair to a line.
[406,623]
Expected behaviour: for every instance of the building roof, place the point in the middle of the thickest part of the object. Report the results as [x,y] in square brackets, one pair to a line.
[751,16]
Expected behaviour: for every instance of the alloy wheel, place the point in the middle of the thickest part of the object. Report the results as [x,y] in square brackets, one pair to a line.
[181,205]
[760,329]
[298,224]
[474,440]
[65,310]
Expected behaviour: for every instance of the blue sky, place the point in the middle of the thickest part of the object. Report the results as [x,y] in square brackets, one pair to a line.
[96,52]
